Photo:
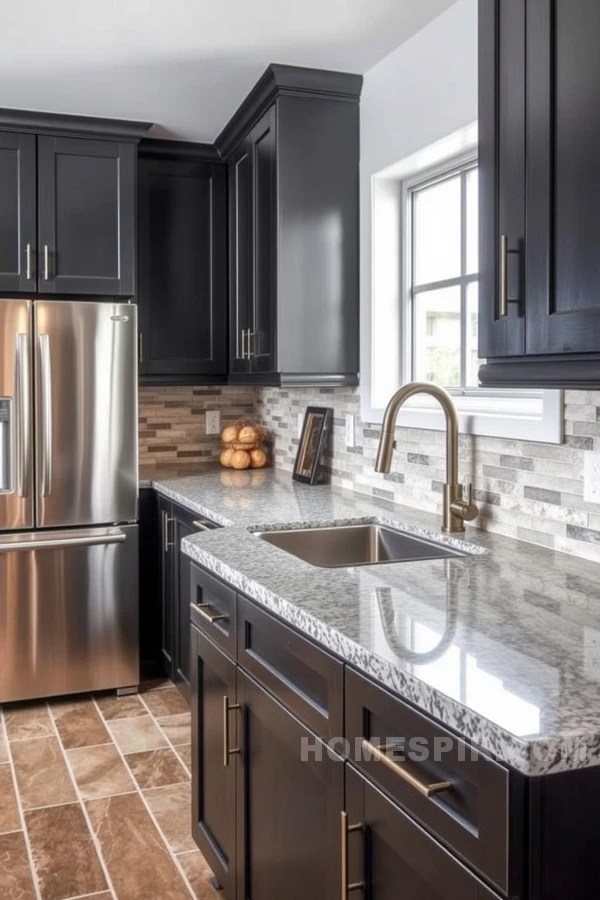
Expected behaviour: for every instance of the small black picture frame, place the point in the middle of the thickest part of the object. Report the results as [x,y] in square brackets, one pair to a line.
[315,430]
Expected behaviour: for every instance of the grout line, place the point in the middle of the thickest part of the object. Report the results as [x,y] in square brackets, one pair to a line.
[38,737]
[90,746]
[168,848]
[85,896]
[86,817]
[166,736]
[12,831]
[32,871]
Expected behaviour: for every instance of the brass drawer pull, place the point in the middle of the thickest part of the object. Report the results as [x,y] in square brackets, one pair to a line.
[202,610]
[426,790]
[345,831]
[226,710]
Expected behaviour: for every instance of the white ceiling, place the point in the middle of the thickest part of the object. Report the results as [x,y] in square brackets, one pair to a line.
[184,64]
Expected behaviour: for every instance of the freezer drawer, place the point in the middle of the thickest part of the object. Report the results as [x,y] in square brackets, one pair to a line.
[68,612]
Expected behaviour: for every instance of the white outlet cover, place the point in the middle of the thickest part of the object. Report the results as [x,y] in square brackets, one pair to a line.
[213,421]
[591,478]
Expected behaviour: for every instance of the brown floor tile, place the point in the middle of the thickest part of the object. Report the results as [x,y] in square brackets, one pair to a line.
[172,808]
[42,776]
[185,753]
[9,812]
[79,724]
[177,728]
[136,734]
[99,772]
[3,747]
[64,856]
[27,720]
[136,857]
[15,875]
[198,874]
[155,684]
[121,707]
[156,768]
[168,702]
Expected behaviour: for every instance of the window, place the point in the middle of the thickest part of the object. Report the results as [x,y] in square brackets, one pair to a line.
[442,269]
[420,297]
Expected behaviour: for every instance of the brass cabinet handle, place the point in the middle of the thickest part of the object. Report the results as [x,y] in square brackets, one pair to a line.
[202,526]
[227,708]
[28,262]
[166,520]
[46,263]
[503,311]
[202,610]
[345,831]
[426,790]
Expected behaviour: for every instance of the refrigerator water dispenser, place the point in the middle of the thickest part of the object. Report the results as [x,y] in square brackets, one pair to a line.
[6,484]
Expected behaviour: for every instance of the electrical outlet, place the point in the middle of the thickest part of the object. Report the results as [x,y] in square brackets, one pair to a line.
[300,424]
[591,478]
[213,422]
[349,431]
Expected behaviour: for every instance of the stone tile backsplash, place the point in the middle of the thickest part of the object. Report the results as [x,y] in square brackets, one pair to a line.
[525,490]
[172,423]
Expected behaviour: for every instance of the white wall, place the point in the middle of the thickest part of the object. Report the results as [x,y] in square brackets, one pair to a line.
[419,94]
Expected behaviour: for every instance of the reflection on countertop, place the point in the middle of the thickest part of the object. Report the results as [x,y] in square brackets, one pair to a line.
[504,646]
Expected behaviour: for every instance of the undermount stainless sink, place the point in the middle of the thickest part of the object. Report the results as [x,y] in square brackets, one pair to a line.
[356,545]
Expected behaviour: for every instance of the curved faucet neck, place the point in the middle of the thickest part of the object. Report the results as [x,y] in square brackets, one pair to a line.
[386,444]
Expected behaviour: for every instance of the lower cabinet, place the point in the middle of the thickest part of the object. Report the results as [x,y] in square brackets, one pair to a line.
[391,856]
[175,523]
[267,796]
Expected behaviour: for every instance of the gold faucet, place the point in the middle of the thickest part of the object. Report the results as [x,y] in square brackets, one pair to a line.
[457,511]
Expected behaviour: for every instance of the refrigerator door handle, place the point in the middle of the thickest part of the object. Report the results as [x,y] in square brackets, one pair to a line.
[23,412]
[46,414]
[41,541]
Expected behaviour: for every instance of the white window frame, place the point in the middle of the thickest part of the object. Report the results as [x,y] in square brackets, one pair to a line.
[510,414]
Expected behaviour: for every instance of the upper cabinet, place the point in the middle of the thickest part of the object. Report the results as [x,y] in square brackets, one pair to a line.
[293,154]
[67,204]
[182,256]
[539,192]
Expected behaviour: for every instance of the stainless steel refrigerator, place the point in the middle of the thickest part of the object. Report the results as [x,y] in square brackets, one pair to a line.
[68,498]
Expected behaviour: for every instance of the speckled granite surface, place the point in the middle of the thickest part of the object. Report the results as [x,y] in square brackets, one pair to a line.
[503,646]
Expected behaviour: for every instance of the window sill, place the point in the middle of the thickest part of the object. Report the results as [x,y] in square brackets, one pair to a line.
[512,418]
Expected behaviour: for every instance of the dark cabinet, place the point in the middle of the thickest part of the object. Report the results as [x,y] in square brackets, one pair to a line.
[86,216]
[253,235]
[175,523]
[18,247]
[290,796]
[387,849]
[539,142]
[293,157]
[182,256]
[68,204]
[150,581]
[213,692]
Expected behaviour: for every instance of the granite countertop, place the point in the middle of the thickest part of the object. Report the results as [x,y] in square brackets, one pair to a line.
[502,645]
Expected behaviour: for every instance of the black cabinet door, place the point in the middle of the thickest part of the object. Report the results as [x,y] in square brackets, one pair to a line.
[241,255]
[182,269]
[389,852]
[213,689]
[167,580]
[261,339]
[501,178]
[150,586]
[290,799]
[563,177]
[18,239]
[182,527]
[86,216]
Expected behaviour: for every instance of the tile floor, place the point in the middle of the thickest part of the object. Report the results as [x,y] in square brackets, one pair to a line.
[95,800]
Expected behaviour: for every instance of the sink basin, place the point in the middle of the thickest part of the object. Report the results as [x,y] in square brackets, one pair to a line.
[356,545]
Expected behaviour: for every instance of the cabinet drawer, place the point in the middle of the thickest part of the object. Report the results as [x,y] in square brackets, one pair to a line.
[471,799]
[306,679]
[213,608]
